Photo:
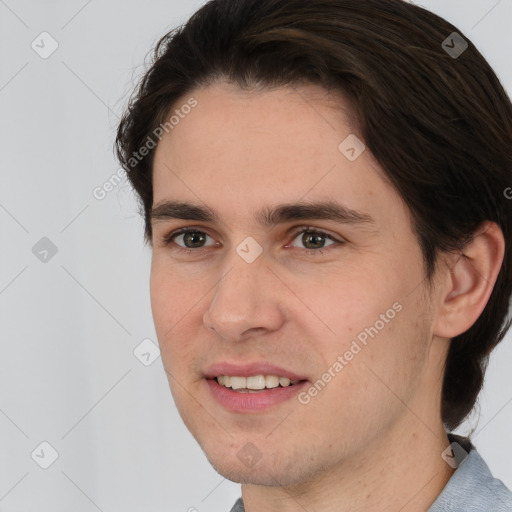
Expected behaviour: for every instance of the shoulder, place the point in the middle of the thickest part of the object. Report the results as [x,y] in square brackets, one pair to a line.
[238,506]
[472,488]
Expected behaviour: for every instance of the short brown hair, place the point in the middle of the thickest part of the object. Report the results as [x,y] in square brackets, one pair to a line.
[439,124]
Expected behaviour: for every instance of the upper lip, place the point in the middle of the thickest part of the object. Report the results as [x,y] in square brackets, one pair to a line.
[250,369]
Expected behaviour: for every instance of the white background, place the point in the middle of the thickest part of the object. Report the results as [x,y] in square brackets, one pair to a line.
[68,374]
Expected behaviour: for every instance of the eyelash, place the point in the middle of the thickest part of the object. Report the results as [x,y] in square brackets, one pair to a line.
[168,240]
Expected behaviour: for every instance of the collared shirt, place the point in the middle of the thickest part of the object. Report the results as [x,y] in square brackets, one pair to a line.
[471,488]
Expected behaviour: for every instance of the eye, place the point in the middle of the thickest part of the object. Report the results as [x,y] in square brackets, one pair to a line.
[188,238]
[314,239]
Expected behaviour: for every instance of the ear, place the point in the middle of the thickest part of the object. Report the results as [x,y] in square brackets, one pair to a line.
[468,281]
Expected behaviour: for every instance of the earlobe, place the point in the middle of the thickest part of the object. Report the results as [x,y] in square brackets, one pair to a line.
[470,281]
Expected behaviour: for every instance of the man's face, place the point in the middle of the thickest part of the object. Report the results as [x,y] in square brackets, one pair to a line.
[344,308]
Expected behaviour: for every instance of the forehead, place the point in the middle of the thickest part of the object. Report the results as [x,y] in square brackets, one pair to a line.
[248,149]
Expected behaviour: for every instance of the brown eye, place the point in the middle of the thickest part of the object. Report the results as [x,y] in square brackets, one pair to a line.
[187,238]
[313,239]
[193,239]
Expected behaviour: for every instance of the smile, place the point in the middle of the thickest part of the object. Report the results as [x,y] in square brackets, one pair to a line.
[246,400]
[254,383]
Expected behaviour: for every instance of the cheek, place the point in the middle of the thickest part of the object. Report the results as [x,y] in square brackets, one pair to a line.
[172,293]
[373,323]
[174,303]
[365,391]
[387,358]
[343,304]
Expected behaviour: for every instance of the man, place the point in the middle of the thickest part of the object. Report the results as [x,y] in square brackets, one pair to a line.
[322,185]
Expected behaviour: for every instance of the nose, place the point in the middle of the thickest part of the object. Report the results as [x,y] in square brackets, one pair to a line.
[245,301]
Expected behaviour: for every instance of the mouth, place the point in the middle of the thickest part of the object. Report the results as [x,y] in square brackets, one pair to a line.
[239,397]
[252,387]
[255,383]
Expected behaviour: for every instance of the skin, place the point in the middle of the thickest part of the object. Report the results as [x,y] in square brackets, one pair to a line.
[372,438]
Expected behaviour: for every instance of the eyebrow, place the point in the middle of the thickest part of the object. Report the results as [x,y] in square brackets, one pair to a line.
[267,217]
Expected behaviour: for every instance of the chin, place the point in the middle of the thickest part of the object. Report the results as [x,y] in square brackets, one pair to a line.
[271,471]
[260,474]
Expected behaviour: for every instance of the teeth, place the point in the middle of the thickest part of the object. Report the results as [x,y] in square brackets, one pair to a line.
[225,380]
[284,381]
[256,382]
[238,382]
[271,381]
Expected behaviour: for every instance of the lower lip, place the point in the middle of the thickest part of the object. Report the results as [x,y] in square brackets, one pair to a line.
[236,401]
